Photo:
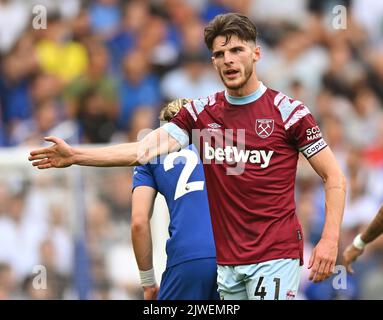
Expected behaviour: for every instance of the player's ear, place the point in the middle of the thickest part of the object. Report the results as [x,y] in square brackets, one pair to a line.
[256,53]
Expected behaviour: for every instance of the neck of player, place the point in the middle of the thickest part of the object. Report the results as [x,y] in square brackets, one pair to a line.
[249,88]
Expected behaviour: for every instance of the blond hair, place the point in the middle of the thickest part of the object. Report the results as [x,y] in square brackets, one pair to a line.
[168,112]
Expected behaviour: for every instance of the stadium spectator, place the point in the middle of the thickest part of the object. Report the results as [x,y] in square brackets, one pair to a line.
[97,78]
[7,282]
[105,16]
[139,87]
[58,54]
[15,14]
[97,122]
[192,79]
[136,16]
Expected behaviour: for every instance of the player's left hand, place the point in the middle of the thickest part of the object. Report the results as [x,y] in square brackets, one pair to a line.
[350,254]
[322,261]
[150,292]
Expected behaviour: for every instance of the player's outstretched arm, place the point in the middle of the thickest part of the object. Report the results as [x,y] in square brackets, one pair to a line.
[355,249]
[61,155]
[142,209]
[323,257]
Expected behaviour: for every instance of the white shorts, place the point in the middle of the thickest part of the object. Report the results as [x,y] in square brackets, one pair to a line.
[269,280]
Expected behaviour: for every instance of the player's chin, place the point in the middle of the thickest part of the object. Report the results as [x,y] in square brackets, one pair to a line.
[234,84]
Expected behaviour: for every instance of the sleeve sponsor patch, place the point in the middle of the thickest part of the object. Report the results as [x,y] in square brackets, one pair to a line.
[313,133]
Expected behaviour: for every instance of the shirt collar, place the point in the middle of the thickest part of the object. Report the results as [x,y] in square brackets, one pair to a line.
[247,99]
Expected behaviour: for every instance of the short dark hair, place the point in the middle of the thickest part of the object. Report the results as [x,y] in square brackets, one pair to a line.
[230,24]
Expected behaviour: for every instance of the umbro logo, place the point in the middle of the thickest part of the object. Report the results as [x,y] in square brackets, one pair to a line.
[214,125]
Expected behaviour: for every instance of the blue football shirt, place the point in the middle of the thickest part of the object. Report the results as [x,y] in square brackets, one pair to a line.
[180,178]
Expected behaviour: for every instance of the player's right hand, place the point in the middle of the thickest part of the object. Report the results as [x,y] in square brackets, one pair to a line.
[58,155]
[150,292]
[350,254]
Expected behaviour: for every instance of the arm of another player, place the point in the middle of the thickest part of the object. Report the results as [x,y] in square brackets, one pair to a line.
[355,249]
[323,257]
[142,209]
[61,154]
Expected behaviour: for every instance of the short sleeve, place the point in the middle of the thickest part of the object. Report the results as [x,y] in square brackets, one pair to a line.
[142,176]
[304,131]
[181,126]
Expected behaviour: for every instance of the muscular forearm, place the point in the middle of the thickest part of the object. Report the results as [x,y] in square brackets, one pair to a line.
[156,143]
[142,246]
[118,155]
[62,155]
[335,192]
[375,228]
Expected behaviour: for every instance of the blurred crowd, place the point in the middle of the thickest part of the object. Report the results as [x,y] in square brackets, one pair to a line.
[100,72]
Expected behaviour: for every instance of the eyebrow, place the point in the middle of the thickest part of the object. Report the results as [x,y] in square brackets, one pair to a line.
[215,53]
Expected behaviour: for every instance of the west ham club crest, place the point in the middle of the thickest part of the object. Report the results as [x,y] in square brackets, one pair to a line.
[264,127]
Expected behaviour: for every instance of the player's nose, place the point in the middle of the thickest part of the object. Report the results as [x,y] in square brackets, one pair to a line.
[228,58]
